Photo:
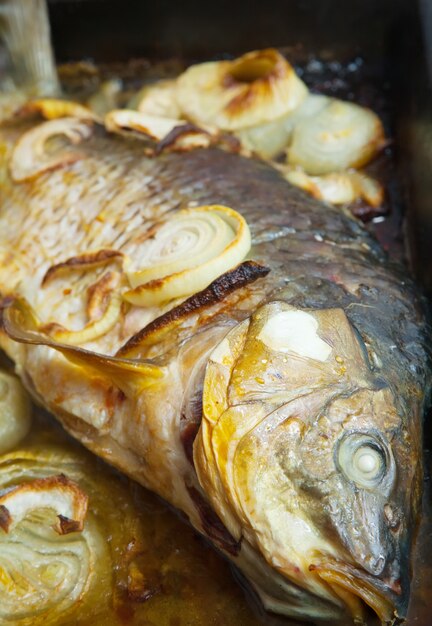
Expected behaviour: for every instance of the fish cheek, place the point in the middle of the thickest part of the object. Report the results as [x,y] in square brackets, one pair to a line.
[267,476]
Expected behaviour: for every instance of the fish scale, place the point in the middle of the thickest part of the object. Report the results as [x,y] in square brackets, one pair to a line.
[319,260]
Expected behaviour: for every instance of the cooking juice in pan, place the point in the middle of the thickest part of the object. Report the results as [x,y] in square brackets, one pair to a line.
[268,383]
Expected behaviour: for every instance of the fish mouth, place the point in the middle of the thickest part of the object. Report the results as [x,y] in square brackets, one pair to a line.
[357,589]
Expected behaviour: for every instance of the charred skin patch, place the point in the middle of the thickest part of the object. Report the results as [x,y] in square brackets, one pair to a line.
[239,277]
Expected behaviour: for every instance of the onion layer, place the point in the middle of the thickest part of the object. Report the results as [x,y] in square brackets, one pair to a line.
[106,97]
[15,412]
[340,136]
[158,99]
[54,108]
[186,253]
[338,187]
[256,88]
[30,156]
[270,139]
[47,578]
[153,127]
[92,330]
[54,492]
[168,135]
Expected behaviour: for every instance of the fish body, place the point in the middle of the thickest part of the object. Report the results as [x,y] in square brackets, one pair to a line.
[279,408]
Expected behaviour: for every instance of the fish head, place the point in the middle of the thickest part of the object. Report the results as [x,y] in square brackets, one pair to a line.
[306,456]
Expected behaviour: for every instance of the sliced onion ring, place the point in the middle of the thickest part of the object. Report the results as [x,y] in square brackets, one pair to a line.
[337,187]
[157,99]
[91,331]
[54,108]
[106,98]
[168,135]
[30,158]
[257,87]
[340,136]
[270,139]
[15,412]
[187,252]
[99,293]
[54,492]
[89,260]
[152,127]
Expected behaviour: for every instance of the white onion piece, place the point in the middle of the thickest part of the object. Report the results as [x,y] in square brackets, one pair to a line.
[270,139]
[46,578]
[186,253]
[368,188]
[340,136]
[91,331]
[158,99]
[155,128]
[106,97]
[338,187]
[254,89]
[53,492]
[170,135]
[42,578]
[44,575]
[30,156]
[15,412]
[55,108]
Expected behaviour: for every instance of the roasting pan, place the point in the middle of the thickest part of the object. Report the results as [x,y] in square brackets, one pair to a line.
[390,38]
[393,37]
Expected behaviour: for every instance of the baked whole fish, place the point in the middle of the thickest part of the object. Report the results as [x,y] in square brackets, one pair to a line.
[278,407]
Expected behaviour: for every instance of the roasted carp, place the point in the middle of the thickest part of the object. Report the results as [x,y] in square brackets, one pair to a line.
[231,343]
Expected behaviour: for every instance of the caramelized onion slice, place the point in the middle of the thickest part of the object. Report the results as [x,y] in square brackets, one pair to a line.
[54,108]
[15,412]
[31,157]
[102,297]
[186,253]
[54,492]
[158,99]
[272,138]
[258,87]
[89,260]
[169,135]
[338,187]
[47,578]
[186,137]
[106,97]
[340,136]
[91,331]
[150,126]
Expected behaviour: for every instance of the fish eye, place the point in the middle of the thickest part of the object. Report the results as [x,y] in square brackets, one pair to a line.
[362,459]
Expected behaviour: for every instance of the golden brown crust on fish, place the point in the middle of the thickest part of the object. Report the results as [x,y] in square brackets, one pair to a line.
[215,293]
[305,446]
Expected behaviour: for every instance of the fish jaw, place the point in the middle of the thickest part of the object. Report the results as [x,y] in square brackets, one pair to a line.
[352,584]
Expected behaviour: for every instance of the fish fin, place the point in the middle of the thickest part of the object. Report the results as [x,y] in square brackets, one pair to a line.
[20,323]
